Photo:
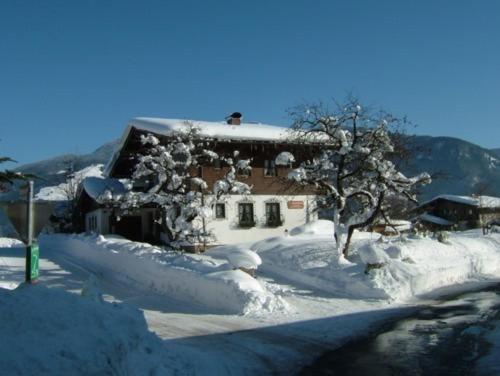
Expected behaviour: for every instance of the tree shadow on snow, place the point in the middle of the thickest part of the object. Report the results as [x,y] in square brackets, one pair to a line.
[284,348]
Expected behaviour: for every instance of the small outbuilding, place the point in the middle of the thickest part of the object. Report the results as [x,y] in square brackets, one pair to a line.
[447,212]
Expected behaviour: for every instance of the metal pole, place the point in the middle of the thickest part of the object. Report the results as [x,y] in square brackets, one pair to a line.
[29,213]
[32,252]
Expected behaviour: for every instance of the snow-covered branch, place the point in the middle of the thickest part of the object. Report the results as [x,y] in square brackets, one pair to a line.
[353,169]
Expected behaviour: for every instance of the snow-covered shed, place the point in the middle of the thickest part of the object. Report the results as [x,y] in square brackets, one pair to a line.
[98,217]
[273,206]
[461,212]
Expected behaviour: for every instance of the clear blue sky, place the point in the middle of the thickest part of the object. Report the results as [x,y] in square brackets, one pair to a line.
[73,72]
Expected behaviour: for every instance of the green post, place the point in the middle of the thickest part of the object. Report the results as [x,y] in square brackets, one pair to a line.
[32,257]
[32,250]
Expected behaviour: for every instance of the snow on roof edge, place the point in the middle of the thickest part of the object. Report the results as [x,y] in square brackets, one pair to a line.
[435,219]
[467,200]
[96,186]
[478,201]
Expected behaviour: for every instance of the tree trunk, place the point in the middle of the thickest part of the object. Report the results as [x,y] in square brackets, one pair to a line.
[336,227]
[368,221]
[345,251]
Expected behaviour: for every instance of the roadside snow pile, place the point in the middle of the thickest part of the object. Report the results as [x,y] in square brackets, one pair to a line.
[60,192]
[419,265]
[52,332]
[383,269]
[12,263]
[196,279]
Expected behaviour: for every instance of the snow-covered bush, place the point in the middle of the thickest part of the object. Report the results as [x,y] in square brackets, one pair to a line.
[239,258]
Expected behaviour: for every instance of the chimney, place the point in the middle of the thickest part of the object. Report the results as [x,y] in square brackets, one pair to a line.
[234,118]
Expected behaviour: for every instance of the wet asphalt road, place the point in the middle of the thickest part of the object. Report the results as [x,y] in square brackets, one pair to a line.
[458,335]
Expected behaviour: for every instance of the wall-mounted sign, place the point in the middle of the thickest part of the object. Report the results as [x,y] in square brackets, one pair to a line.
[295,204]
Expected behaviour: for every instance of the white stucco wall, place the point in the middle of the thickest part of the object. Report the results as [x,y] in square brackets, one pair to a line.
[227,231]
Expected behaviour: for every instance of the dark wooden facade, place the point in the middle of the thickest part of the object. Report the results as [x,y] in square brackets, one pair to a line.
[463,215]
[258,151]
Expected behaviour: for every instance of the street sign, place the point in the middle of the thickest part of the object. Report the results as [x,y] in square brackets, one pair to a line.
[32,263]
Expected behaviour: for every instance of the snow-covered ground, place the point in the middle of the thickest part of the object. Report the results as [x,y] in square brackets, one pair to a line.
[52,332]
[395,268]
[319,300]
[196,279]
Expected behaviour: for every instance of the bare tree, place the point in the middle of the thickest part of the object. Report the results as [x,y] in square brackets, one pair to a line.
[8,177]
[353,169]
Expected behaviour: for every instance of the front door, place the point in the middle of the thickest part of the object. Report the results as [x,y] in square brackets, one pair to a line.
[129,227]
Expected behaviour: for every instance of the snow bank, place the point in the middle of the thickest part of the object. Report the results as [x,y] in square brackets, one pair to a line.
[384,269]
[196,279]
[53,332]
[419,265]
[321,227]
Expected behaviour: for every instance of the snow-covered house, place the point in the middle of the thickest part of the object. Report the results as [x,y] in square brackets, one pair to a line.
[461,212]
[274,205]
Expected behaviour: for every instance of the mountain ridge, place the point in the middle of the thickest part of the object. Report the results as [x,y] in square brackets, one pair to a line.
[459,166]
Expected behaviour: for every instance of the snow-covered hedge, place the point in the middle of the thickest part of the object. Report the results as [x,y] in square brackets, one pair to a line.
[197,279]
[383,269]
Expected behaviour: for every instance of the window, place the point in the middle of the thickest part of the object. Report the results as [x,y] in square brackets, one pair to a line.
[217,164]
[92,223]
[220,211]
[273,216]
[245,215]
[270,168]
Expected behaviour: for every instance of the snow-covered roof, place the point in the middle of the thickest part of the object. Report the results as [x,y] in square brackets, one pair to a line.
[434,219]
[217,130]
[479,201]
[489,202]
[96,187]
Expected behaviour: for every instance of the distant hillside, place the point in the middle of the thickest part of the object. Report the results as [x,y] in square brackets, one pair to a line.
[51,171]
[496,151]
[461,167]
